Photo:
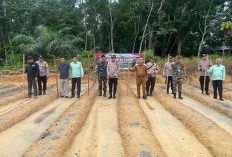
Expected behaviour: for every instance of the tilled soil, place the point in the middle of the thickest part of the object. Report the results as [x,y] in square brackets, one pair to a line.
[93,126]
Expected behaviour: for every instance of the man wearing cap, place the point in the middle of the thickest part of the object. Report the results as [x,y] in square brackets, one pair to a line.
[102,75]
[43,75]
[202,67]
[141,77]
[112,72]
[77,73]
[168,76]
[32,71]
[152,69]
[136,61]
[219,76]
[178,74]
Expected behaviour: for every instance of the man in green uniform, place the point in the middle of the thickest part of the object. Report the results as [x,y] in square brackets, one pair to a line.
[102,75]
[178,74]
[141,77]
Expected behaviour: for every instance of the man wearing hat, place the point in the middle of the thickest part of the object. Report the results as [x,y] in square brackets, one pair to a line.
[43,75]
[202,67]
[32,71]
[168,76]
[112,72]
[178,74]
[152,69]
[141,77]
[136,61]
[102,75]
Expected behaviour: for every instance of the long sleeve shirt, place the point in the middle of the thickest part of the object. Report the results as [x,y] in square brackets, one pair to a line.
[152,69]
[202,64]
[102,69]
[219,72]
[113,69]
[32,70]
[140,69]
[76,70]
[43,68]
[165,69]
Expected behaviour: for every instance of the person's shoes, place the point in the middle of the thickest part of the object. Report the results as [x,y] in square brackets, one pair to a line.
[114,96]
[180,97]
[207,92]
[174,95]
[167,91]
[72,96]
[221,99]
[40,92]
[201,92]
[104,94]
[148,94]
[100,94]
[29,96]
[144,97]
[44,92]
[214,97]
[78,96]
[62,96]
[151,94]
[138,97]
[172,92]
[66,97]
[110,97]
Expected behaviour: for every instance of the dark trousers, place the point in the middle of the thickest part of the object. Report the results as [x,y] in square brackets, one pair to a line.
[150,84]
[42,79]
[217,85]
[76,81]
[170,81]
[32,83]
[104,81]
[113,82]
[202,79]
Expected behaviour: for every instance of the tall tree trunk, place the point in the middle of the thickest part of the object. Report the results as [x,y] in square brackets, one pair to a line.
[111,29]
[136,32]
[179,48]
[151,44]
[141,43]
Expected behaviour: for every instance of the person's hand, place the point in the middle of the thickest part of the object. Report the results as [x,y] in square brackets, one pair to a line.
[69,78]
[185,79]
[111,76]
[36,79]
[224,81]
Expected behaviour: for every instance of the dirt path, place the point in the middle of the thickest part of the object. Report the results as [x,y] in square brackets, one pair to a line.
[173,137]
[99,137]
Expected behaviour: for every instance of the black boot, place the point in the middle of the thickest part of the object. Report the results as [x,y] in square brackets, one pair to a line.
[114,96]
[174,95]
[40,92]
[180,97]
[150,94]
[207,92]
[104,94]
[72,96]
[100,93]
[110,97]
[167,91]
[44,92]
[144,97]
[147,93]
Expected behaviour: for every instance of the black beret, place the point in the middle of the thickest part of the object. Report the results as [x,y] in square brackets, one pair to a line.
[102,56]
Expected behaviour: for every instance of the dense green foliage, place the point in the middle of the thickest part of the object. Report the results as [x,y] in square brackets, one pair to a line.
[68,27]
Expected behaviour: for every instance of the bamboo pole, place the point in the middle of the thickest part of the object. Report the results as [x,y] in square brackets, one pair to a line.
[167,74]
[88,74]
[57,90]
[23,75]
[207,62]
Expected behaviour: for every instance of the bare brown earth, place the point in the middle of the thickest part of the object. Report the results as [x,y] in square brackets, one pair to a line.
[93,126]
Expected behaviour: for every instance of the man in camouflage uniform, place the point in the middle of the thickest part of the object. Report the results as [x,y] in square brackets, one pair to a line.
[152,69]
[43,76]
[141,77]
[102,75]
[178,74]
[202,68]
[112,71]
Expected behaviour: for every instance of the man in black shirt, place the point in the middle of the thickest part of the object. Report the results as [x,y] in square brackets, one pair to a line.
[32,71]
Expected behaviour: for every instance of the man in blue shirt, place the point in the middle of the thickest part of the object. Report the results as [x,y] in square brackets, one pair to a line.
[219,75]
[77,73]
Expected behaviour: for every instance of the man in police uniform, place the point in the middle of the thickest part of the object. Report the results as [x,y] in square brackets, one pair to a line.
[32,71]
[168,76]
[179,74]
[43,75]
[152,69]
[102,75]
[141,77]
[112,72]
[202,68]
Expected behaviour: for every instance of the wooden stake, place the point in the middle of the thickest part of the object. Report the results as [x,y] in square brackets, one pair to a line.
[88,74]
[207,62]
[167,74]
[57,90]
[23,75]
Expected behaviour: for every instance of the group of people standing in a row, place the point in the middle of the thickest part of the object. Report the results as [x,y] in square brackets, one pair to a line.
[173,72]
